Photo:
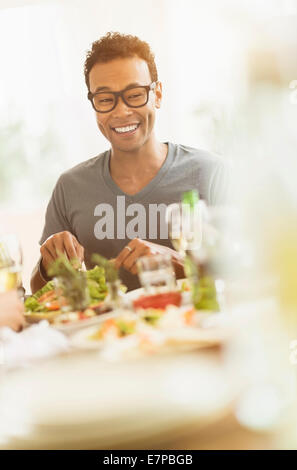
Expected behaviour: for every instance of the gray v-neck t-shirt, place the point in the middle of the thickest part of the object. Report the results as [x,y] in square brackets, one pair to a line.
[88,203]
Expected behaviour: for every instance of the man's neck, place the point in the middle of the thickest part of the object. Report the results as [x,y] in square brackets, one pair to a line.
[148,159]
[134,170]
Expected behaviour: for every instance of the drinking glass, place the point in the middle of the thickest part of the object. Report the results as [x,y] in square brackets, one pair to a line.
[11,260]
[156,273]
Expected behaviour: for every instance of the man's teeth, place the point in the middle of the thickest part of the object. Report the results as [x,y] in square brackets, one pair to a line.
[126,129]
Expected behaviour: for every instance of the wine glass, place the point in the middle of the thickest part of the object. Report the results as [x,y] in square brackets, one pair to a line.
[11,261]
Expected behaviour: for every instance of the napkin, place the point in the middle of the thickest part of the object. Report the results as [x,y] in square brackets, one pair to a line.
[39,341]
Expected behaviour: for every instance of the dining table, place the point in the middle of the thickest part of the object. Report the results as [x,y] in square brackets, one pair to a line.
[56,395]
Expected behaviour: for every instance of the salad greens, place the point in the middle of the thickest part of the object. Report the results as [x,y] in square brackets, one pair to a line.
[111,272]
[80,286]
[71,282]
[48,287]
[96,284]
[32,304]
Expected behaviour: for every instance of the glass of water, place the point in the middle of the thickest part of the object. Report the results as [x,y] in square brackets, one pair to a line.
[156,273]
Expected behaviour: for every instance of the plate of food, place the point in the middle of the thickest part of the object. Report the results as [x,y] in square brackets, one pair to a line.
[46,304]
[148,331]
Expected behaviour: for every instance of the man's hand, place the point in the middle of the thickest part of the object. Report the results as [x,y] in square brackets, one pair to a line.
[62,242]
[129,255]
[11,310]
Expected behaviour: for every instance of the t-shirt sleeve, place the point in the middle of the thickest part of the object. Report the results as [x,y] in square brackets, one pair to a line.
[56,213]
[219,184]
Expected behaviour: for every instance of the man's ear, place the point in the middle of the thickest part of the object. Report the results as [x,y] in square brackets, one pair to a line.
[158,95]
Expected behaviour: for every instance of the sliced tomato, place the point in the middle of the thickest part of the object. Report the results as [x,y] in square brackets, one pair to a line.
[158,300]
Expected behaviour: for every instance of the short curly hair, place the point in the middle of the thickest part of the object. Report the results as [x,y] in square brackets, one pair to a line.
[116,45]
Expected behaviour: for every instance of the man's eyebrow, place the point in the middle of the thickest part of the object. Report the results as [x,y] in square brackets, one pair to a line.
[106,88]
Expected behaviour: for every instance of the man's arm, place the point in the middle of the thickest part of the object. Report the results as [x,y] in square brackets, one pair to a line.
[56,238]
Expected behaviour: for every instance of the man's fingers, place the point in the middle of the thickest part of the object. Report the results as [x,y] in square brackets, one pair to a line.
[48,250]
[58,244]
[136,249]
[79,250]
[69,246]
[134,256]
[131,253]
[47,257]
[120,259]
[73,248]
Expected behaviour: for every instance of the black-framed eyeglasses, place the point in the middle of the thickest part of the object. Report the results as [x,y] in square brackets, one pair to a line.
[134,97]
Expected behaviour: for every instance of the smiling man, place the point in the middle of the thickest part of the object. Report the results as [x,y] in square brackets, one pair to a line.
[114,204]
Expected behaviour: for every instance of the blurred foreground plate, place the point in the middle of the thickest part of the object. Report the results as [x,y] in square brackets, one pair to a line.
[78,402]
[185,337]
[74,326]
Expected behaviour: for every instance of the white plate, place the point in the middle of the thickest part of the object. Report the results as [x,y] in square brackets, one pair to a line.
[72,327]
[174,338]
[81,340]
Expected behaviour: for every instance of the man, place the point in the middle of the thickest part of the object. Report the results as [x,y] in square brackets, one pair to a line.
[114,204]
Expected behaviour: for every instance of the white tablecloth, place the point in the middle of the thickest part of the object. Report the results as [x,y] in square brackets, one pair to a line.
[36,342]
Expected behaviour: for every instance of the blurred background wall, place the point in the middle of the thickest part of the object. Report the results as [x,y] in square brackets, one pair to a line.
[229,73]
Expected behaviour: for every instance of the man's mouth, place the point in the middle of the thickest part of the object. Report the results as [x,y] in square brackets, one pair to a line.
[126,129]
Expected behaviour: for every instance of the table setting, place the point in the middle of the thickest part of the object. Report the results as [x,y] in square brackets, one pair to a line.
[98,366]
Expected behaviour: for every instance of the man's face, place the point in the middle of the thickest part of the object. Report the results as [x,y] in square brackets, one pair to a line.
[116,76]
